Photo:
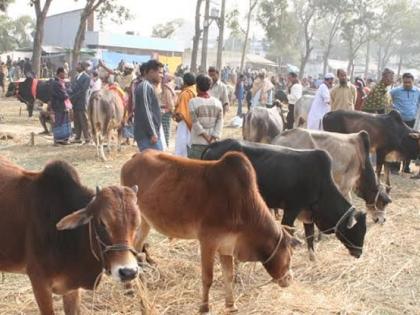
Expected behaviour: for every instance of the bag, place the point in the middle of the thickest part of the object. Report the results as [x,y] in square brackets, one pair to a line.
[62,130]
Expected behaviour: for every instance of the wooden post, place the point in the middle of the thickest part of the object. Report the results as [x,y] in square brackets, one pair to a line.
[32,140]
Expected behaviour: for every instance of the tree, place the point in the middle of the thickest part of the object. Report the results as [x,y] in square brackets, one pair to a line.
[220,40]
[167,30]
[40,14]
[105,8]
[4,4]
[357,26]
[197,35]
[204,44]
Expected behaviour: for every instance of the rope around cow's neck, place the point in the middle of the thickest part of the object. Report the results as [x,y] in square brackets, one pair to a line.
[276,248]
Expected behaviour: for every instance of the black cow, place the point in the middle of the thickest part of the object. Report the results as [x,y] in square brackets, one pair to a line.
[390,137]
[300,182]
[23,92]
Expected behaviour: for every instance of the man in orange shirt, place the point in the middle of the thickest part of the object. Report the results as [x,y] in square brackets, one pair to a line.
[183,117]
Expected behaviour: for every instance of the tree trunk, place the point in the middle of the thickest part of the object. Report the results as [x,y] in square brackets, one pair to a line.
[367,59]
[379,69]
[221,35]
[252,5]
[203,66]
[37,48]
[196,38]
[78,41]
[400,63]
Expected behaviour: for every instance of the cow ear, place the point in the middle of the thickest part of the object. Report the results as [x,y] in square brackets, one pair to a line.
[74,220]
[351,221]
[414,135]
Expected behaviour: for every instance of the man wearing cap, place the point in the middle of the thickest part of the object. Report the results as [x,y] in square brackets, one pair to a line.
[219,89]
[379,99]
[344,95]
[78,96]
[294,90]
[321,103]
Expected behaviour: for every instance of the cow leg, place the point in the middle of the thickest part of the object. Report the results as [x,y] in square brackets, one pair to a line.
[71,303]
[119,139]
[43,294]
[101,147]
[380,159]
[140,242]
[208,252]
[387,179]
[289,217]
[227,269]
[309,235]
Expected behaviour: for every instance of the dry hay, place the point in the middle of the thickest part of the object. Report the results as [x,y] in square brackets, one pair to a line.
[385,280]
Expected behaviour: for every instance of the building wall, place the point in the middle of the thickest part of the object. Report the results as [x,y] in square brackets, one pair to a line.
[60,29]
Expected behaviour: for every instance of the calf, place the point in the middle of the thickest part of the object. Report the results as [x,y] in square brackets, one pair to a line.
[262,124]
[300,182]
[389,136]
[351,166]
[190,199]
[36,208]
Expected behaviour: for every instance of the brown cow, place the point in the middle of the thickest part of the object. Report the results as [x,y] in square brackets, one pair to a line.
[100,232]
[106,113]
[188,199]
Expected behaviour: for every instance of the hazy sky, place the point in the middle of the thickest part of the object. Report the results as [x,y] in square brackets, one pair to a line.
[146,12]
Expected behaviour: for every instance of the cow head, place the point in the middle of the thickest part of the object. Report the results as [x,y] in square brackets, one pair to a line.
[114,218]
[351,230]
[277,258]
[376,208]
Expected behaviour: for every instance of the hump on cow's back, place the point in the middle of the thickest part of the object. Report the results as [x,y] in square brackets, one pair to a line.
[59,172]
[239,164]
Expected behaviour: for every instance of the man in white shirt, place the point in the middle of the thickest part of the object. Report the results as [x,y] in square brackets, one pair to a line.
[295,90]
[321,104]
[218,89]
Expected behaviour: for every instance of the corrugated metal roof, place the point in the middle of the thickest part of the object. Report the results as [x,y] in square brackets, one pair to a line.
[133,41]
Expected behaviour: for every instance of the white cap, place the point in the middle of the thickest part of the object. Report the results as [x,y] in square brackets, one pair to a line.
[128,66]
[329,76]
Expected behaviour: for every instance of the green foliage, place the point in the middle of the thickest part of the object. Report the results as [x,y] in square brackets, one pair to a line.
[110,9]
[15,33]
[167,30]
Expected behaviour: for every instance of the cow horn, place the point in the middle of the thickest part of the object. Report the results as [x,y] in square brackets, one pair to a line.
[98,189]
[414,135]
[351,222]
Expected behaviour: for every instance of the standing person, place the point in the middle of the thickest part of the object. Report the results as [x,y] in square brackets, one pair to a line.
[406,100]
[79,93]
[147,116]
[262,91]
[66,69]
[27,68]
[60,106]
[321,103]
[362,93]
[219,89]
[207,118]
[182,115]
[417,128]
[167,103]
[379,99]
[344,95]
[2,78]
[240,93]
[294,93]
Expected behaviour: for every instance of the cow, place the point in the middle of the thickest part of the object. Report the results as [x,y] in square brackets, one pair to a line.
[106,113]
[63,235]
[389,136]
[262,124]
[302,107]
[193,199]
[300,183]
[351,165]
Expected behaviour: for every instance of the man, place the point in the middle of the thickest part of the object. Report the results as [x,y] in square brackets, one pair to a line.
[183,117]
[262,91]
[78,96]
[219,89]
[123,78]
[207,118]
[147,116]
[344,95]
[295,90]
[406,100]
[362,93]
[321,103]
[240,93]
[378,99]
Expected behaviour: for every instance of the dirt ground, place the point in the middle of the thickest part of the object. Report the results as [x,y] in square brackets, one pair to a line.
[385,280]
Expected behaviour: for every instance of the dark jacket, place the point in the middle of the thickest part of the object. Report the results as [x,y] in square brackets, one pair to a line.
[79,89]
[58,96]
[147,116]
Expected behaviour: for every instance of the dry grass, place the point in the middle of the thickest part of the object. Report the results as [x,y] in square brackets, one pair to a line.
[385,280]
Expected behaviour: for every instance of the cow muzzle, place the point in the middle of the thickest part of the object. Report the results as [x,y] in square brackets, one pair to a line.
[286,280]
[125,273]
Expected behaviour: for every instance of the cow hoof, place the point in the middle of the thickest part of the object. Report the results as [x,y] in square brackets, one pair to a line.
[312,256]
[231,309]
[204,309]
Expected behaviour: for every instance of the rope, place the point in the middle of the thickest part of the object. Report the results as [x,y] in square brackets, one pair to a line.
[275,248]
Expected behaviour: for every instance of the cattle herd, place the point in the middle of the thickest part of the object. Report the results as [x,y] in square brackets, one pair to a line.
[64,235]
